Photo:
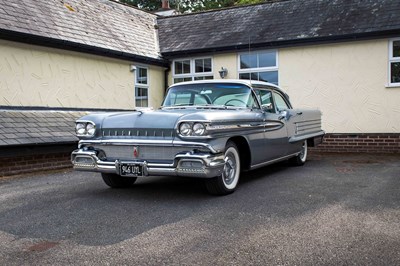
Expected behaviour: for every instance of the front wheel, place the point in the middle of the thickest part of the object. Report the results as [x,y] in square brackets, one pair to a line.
[301,158]
[117,181]
[226,183]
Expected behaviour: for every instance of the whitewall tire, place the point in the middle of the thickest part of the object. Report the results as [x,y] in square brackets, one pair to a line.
[227,182]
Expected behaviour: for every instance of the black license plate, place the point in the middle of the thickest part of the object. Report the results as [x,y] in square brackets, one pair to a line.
[131,169]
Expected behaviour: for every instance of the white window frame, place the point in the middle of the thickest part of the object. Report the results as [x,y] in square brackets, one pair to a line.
[392,60]
[143,86]
[258,69]
[192,73]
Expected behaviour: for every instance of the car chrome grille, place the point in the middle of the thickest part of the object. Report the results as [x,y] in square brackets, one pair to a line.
[127,152]
[158,133]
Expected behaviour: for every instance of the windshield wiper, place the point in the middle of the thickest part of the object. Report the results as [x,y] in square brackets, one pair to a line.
[222,106]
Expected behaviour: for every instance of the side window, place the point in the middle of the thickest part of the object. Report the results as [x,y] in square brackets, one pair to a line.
[252,103]
[281,104]
[266,99]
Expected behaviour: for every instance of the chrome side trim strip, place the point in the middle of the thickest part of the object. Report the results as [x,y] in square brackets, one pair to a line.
[273,161]
[306,136]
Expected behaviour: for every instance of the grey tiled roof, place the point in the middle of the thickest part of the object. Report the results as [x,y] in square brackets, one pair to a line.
[278,23]
[94,23]
[37,127]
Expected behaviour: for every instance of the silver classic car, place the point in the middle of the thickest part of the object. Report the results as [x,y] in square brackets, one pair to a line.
[212,129]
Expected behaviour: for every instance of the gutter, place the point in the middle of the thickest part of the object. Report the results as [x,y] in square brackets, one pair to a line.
[28,38]
[288,43]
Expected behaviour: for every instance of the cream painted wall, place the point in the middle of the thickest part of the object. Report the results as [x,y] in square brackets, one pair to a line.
[228,61]
[157,86]
[347,81]
[37,76]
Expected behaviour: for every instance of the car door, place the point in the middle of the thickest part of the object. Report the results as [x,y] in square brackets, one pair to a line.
[275,132]
[289,116]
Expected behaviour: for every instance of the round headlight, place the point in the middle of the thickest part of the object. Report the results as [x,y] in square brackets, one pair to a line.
[185,129]
[80,128]
[199,129]
[90,129]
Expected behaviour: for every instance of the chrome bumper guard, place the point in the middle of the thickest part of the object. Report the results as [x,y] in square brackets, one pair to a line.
[188,164]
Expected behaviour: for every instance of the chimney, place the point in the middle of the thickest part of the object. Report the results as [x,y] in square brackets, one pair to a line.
[165,4]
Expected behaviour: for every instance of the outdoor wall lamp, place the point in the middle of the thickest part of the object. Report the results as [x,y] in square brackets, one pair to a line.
[132,68]
[223,72]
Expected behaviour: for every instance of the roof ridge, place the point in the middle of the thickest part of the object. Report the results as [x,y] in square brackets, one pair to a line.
[267,2]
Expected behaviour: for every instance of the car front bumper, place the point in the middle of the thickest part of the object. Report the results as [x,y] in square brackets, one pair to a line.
[189,164]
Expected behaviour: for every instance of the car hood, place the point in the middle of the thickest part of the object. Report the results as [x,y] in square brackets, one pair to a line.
[142,119]
[159,123]
[167,118]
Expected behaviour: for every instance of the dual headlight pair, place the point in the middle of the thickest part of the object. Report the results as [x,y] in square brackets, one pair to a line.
[192,129]
[86,129]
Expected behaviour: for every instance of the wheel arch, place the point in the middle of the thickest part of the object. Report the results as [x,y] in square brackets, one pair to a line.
[244,151]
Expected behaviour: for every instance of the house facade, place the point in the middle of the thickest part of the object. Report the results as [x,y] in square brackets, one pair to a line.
[340,56]
[79,54]
[320,76]
[50,77]
[73,55]
[62,59]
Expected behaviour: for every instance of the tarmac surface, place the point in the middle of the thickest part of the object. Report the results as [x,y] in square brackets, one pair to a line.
[335,210]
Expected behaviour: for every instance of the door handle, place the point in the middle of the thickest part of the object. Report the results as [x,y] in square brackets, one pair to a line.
[283,115]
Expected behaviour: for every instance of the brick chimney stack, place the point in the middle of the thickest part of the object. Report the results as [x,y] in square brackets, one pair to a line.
[165,4]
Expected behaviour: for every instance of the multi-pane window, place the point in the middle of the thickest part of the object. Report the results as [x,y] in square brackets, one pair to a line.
[192,69]
[394,62]
[142,87]
[262,65]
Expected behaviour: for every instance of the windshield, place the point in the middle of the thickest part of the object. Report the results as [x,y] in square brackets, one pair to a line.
[210,94]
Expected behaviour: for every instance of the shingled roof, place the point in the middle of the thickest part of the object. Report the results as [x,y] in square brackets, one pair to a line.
[93,26]
[278,23]
[39,127]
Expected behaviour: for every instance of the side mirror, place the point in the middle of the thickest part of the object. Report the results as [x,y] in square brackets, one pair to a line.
[267,107]
[283,115]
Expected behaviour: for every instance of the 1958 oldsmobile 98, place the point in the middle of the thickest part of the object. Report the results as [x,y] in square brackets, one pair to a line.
[205,129]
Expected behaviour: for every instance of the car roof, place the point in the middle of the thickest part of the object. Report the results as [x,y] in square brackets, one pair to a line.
[250,83]
[241,81]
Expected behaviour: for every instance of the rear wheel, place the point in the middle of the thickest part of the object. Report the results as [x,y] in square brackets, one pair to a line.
[117,181]
[226,183]
[301,158]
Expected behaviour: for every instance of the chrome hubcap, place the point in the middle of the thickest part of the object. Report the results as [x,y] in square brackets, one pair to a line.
[303,151]
[229,169]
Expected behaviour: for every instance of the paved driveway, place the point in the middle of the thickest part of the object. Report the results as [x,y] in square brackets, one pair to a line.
[335,210]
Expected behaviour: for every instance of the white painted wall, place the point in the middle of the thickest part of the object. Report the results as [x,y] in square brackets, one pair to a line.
[38,76]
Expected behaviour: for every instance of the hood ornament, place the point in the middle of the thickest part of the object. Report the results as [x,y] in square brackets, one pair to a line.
[135,152]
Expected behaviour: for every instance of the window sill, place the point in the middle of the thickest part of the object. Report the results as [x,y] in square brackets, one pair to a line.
[389,86]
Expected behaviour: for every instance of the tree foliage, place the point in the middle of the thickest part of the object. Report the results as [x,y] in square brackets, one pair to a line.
[184,6]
